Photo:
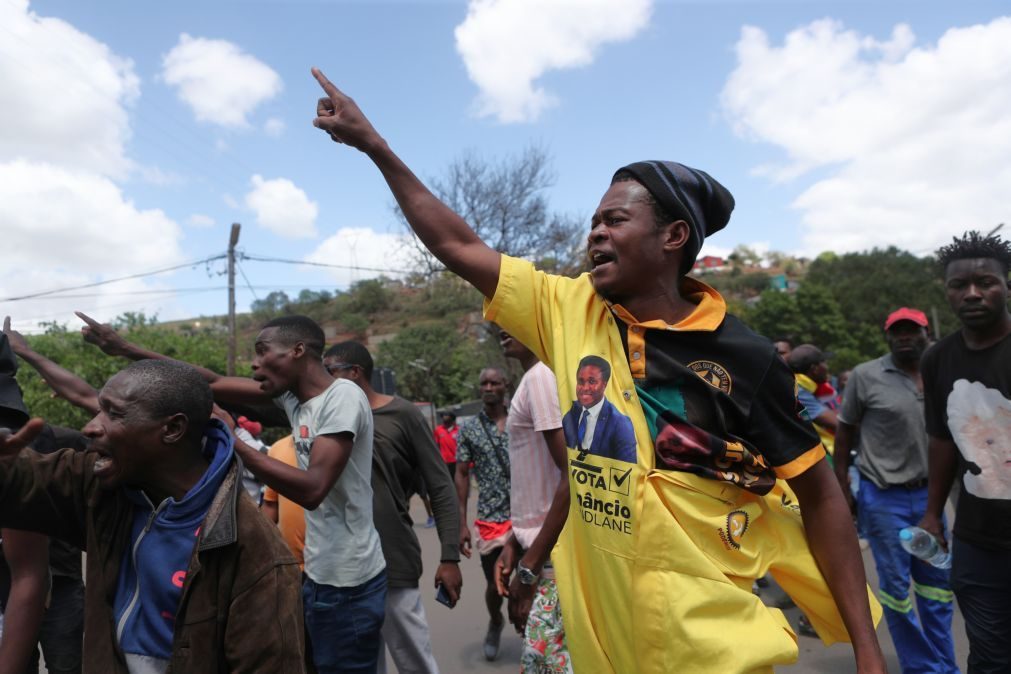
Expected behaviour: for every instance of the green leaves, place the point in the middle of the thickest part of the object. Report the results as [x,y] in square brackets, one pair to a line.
[843,301]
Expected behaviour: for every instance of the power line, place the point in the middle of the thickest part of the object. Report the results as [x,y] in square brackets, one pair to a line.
[193,289]
[140,304]
[257,258]
[113,280]
[246,279]
[151,291]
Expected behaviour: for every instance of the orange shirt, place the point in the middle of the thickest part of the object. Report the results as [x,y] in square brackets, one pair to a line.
[290,516]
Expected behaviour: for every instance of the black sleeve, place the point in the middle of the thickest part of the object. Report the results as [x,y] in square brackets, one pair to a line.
[441,488]
[776,426]
[935,401]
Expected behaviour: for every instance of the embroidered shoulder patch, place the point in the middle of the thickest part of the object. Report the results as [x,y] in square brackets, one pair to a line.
[712,373]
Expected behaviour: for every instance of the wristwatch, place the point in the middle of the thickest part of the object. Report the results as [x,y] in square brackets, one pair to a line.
[526,576]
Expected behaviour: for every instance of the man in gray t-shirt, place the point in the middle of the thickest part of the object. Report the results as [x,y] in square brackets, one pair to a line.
[884,403]
[332,426]
[341,543]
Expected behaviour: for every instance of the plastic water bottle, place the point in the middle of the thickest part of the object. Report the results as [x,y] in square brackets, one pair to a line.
[922,544]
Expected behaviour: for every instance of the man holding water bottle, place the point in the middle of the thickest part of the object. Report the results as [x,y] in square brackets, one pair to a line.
[883,409]
[967,379]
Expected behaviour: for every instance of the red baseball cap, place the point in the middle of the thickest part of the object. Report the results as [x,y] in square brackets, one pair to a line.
[906,314]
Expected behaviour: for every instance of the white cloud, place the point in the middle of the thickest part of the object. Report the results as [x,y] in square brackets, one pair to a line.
[64,128]
[156,176]
[911,142]
[362,248]
[282,207]
[507,44]
[274,127]
[221,83]
[73,227]
[200,220]
[65,95]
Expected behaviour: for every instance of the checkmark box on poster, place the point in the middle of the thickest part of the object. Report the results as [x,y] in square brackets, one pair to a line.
[620,481]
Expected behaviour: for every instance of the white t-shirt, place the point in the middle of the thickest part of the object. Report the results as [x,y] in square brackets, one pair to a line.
[533,474]
[341,543]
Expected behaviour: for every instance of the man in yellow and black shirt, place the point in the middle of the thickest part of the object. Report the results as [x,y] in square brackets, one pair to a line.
[655,565]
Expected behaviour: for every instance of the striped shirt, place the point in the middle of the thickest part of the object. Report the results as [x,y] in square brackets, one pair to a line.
[535,476]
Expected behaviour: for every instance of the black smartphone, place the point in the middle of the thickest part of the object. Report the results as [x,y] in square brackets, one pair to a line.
[442,596]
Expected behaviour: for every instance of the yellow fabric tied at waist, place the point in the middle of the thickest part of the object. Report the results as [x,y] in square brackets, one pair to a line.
[699,546]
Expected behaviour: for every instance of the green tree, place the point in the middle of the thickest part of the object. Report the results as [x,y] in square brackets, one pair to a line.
[870,285]
[843,301]
[436,363]
[274,304]
[369,296]
[506,205]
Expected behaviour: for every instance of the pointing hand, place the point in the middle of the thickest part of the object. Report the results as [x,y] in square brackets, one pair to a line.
[341,117]
[101,335]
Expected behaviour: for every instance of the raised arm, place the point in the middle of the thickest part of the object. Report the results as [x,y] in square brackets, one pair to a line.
[66,384]
[239,390]
[442,231]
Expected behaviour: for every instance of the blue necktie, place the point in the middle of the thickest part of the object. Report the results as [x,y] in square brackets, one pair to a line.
[581,430]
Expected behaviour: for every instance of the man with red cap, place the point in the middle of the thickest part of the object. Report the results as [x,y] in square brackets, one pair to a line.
[884,401]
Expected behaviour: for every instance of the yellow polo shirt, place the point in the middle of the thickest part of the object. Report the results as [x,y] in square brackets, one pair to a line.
[655,566]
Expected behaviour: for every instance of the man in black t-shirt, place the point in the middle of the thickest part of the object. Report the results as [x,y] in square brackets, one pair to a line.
[967,390]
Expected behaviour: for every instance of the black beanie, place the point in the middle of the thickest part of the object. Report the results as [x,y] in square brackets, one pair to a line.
[688,194]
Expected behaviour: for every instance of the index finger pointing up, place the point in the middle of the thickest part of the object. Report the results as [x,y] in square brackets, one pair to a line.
[328,86]
[87,319]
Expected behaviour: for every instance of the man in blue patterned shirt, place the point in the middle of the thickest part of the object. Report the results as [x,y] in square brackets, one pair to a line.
[483,441]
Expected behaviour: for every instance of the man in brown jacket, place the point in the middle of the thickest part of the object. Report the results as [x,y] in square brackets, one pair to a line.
[207,585]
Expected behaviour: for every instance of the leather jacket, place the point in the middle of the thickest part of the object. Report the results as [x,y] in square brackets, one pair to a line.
[241,606]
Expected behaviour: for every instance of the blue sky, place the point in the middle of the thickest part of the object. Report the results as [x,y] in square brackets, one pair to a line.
[133,134]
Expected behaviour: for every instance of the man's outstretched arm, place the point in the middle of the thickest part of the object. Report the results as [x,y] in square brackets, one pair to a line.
[442,231]
[66,384]
[239,390]
[833,542]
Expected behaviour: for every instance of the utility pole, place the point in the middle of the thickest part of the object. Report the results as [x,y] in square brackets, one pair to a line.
[232,240]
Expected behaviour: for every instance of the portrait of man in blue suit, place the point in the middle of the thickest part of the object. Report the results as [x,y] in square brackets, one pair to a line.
[593,424]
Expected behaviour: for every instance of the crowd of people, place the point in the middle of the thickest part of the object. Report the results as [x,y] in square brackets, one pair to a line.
[655,461]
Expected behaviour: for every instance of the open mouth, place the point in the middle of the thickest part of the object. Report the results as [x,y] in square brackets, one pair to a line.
[599,259]
[103,465]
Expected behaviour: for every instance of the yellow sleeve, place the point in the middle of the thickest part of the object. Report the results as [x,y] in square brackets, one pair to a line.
[528,304]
